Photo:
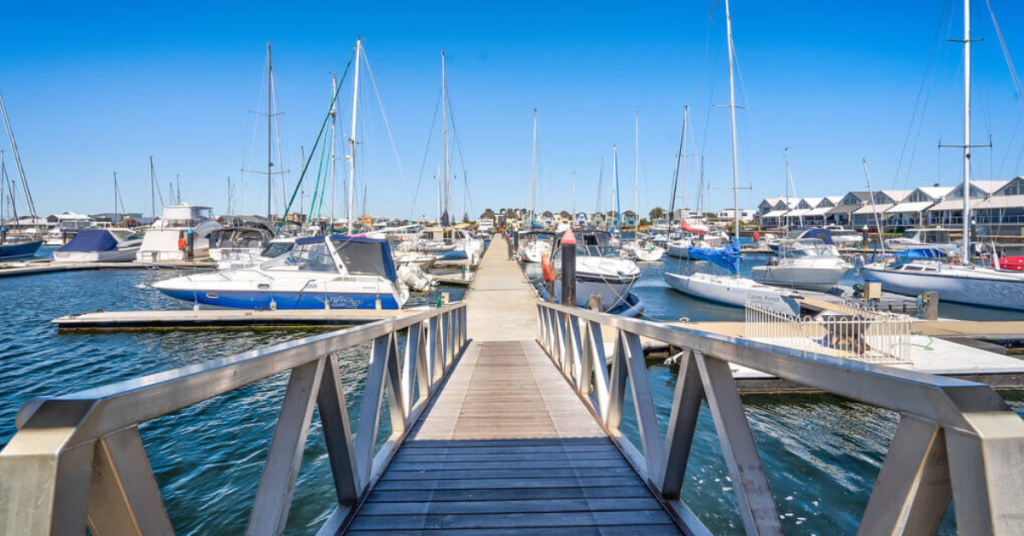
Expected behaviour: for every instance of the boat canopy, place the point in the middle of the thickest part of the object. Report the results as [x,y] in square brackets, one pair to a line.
[809,232]
[727,257]
[363,255]
[91,240]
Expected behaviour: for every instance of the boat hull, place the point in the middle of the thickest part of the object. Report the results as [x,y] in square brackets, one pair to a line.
[819,279]
[19,250]
[613,292]
[283,300]
[717,289]
[999,294]
[117,255]
[678,251]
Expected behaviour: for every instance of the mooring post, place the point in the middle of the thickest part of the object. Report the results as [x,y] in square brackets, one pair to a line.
[569,268]
[190,245]
[515,242]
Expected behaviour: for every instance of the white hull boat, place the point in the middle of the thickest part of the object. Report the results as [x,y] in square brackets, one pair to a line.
[337,272]
[100,245]
[167,240]
[735,291]
[972,285]
[805,264]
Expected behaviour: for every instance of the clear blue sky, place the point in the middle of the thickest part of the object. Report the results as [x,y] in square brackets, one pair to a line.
[97,89]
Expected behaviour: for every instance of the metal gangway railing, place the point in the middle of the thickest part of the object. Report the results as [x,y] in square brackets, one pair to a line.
[77,460]
[956,440]
[880,338]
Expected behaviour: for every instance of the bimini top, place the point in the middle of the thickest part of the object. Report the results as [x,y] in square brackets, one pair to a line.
[91,240]
[362,255]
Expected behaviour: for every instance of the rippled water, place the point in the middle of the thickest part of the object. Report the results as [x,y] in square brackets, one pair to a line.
[821,454]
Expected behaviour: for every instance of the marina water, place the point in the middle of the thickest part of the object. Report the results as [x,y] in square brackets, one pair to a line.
[821,454]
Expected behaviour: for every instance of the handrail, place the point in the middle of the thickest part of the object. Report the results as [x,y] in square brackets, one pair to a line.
[956,440]
[77,460]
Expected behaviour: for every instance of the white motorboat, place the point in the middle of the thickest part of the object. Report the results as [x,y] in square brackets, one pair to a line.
[168,238]
[843,237]
[68,225]
[645,249]
[599,270]
[421,260]
[240,246]
[100,245]
[936,238]
[735,291]
[972,285]
[336,272]
[534,245]
[807,264]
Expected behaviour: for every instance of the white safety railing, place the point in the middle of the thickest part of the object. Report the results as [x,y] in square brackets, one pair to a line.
[957,441]
[879,338]
[77,460]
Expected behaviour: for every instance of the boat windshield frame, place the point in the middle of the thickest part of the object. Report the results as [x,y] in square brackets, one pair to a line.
[308,257]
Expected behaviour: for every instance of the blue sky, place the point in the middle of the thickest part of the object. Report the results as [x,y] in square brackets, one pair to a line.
[92,90]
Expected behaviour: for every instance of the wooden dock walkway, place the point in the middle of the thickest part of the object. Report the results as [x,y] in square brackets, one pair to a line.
[507,447]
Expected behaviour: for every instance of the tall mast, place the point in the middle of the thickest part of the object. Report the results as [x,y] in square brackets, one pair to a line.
[17,161]
[352,143]
[270,119]
[334,143]
[438,179]
[636,176]
[615,182]
[533,183]
[152,189]
[679,161]
[444,128]
[786,181]
[965,252]
[115,200]
[732,113]
[177,187]
[600,180]
[3,182]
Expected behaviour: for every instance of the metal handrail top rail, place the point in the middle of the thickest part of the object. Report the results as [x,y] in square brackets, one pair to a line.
[104,409]
[938,398]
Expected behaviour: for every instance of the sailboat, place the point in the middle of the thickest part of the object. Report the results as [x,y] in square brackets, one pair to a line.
[642,248]
[22,245]
[533,245]
[964,282]
[733,289]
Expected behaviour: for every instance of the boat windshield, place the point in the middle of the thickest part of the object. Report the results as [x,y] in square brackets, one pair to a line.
[304,258]
[598,251]
[276,249]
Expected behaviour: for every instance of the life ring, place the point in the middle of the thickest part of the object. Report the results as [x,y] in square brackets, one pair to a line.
[545,263]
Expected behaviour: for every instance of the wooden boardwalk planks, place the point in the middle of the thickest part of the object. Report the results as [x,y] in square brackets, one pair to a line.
[507,448]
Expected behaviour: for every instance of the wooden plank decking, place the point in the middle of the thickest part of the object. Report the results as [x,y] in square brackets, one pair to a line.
[506,447]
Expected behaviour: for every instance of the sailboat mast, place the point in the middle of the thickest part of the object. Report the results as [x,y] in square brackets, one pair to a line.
[444,129]
[636,176]
[965,253]
[115,200]
[533,182]
[17,161]
[680,161]
[573,194]
[334,138]
[3,182]
[786,181]
[270,119]
[352,143]
[732,113]
[615,182]
[600,181]
[152,189]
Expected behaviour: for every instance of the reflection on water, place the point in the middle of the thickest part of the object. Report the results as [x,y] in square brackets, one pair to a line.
[821,454]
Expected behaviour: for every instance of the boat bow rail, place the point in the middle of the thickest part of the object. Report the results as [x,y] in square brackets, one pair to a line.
[78,461]
[956,440]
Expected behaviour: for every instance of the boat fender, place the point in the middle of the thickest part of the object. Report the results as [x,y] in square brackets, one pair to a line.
[182,244]
[545,262]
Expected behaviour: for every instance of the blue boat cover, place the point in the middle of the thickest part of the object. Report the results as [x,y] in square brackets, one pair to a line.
[91,240]
[359,263]
[727,257]
[920,253]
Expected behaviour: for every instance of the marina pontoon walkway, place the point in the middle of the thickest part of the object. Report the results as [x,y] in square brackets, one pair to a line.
[507,447]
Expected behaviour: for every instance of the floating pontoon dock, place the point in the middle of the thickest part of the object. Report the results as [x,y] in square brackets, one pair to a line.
[505,419]
[223,319]
[47,266]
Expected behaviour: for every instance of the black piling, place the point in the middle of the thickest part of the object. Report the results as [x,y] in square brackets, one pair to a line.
[569,268]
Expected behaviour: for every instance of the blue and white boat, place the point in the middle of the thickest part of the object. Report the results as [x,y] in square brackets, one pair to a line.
[19,248]
[320,272]
[100,245]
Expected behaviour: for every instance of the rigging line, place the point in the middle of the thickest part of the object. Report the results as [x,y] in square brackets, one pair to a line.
[704,78]
[1006,54]
[458,147]
[323,127]
[932,66]
[1009,146]
[316,186]
[426,152]
[373,82]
